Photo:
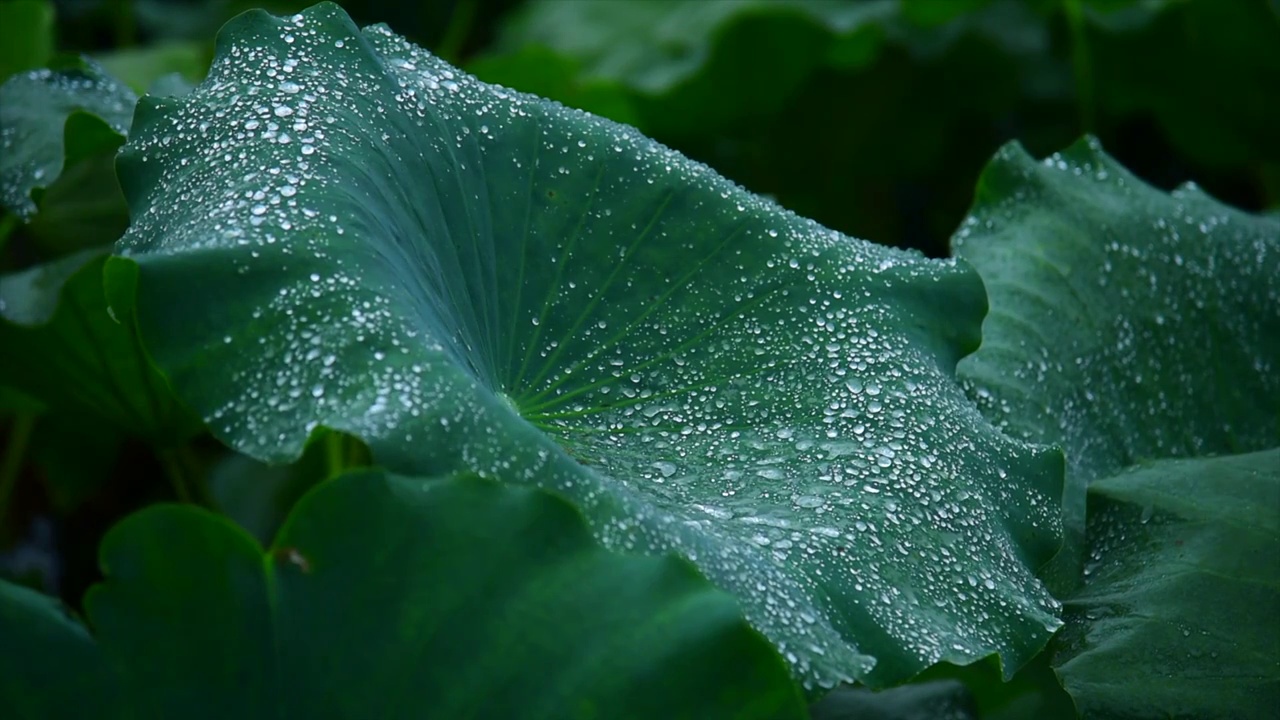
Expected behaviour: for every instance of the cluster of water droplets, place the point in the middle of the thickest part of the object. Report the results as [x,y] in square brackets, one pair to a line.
[465,276]
[34,106]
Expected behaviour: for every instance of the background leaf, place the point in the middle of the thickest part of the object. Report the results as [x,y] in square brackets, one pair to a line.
[64,348]
[200,622]
[35,107]
[141,68]
[468,278]
[878,127]
[1179,615]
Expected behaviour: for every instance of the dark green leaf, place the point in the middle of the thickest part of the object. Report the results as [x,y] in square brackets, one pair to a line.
[388,597]
[1179,616]
[1127,324]
[1206,71]
[337,229]
[702,64]
[50,668]
[63,347]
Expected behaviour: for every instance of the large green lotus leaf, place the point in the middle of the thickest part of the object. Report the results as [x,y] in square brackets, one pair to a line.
[1126,323]
[26,35]
[338,229]
[391,597]
[62,346]
[1179,614]
[50,116]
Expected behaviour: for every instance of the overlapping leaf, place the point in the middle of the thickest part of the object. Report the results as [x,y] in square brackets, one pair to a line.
[388,597]
[339,229]
[1179,615]
[694,66]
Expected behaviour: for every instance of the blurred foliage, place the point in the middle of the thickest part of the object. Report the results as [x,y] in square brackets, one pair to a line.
[871,116]
[875,117]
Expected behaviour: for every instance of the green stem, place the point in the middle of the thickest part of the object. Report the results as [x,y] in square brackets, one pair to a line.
[335,454]
[1082,63]
[8,223]
[185,476]
[455,36]
[126,29]
[14,453]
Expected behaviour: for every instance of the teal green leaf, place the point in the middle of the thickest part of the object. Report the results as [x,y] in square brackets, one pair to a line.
[26,35]
[52,118]
[1127,324]
[1179,615]
[338,230]
[391,597]
[64,348]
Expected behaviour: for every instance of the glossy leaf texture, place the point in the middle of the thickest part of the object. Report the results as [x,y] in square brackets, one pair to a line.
[1179,615]
[1175,617]
[338,229]
[51,119]
[1126,324]
[63,347]
[390,597]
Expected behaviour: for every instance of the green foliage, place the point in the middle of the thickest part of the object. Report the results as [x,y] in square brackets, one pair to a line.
[390,597]
[874,117]
[730,458]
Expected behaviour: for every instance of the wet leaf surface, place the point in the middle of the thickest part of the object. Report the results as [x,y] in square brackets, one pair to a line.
[338,229]
[1127,324]
[1179,613]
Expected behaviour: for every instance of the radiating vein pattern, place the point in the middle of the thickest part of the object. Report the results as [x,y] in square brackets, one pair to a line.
[469,277]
